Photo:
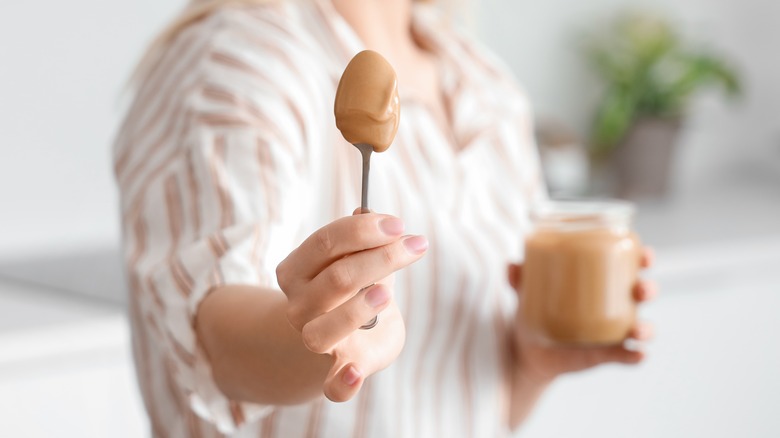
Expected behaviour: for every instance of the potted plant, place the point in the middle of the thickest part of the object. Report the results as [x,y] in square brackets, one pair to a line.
[650,76]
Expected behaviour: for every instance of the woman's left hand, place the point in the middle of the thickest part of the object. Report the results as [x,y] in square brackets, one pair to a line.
[542,363]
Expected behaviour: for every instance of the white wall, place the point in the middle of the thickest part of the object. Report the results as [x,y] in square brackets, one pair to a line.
[63,64]
[539,38]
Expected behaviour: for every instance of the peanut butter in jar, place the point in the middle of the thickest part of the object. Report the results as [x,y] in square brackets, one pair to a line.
[581,263]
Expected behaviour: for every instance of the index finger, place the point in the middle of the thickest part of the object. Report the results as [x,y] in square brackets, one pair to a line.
[647,257]
[340,238]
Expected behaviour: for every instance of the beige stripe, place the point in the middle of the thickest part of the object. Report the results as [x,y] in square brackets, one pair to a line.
[232,62]
[179,60]
[338,184]
[218,169]
[143,365]
[446,357]
[328,19]
[254,255]
[193,423]
[501,326]
[151,323]
[139,228]
[363,409]
[505,215]
[172,88]
[468,350]
[409,165]
[175,213]
[216,246]
[269,425]
[180,276]
[504,159]
[156,86]
[270,186]
[169,377]
[220,120]
[150,177]
[192,184]
[219,277]
[275,22]
[145,370]
[155,293]
[181,352]
[240,105]
[432,307]
[237,413]
[422,148]
[252,39]
[313,428]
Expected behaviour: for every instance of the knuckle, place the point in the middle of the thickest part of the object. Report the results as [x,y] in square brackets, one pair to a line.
[313,340]
[366,229]
[324,241]
[389,256]
[354,319]
[295,316]
[282,275]
[336,395]
[339,277]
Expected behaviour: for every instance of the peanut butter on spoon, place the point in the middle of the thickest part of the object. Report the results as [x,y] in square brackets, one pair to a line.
[368,108]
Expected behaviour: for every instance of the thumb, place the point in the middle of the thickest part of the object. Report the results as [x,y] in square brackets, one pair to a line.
[515,276]
[343,382]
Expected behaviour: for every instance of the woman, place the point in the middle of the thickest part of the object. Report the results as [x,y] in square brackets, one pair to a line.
[247,271]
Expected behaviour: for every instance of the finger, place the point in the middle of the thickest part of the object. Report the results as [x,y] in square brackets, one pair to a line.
[645,290]
[337,239]
[343,383]
[515,275]
[614,354]
[323,333]
[647,258]
[340,280]
[642,331]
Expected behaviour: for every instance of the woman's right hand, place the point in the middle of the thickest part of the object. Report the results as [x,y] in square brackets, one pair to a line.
[325,282]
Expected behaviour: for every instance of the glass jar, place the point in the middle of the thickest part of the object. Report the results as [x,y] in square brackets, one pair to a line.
[581,264]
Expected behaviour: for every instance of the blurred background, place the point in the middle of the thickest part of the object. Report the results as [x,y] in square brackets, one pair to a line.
[674,104]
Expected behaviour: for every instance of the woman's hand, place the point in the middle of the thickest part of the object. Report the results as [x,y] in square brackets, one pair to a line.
[542,363]
[325,280]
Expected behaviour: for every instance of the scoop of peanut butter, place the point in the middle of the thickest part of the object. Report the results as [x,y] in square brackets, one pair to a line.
[367,104]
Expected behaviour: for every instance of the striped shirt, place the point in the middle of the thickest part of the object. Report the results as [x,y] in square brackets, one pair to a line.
[229,158]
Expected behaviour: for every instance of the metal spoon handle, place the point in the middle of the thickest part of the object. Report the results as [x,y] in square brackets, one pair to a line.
[365,151]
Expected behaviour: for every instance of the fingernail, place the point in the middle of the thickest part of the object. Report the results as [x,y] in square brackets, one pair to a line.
[377,296]
[392,226]
[416,244]
[351,376]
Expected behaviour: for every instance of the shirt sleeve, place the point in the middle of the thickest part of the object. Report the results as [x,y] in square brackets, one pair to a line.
[224,208]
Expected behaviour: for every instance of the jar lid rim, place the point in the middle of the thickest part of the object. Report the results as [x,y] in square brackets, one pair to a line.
[583,208]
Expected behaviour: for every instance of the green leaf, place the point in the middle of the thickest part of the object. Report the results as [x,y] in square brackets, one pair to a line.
[648,71]
[612,120]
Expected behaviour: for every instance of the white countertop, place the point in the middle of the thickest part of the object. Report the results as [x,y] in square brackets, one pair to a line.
[714,369]
[65,367]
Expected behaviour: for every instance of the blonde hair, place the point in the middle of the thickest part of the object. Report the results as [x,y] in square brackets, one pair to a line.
[195,11]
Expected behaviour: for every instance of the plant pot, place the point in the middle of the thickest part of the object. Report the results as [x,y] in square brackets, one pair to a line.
[642,161]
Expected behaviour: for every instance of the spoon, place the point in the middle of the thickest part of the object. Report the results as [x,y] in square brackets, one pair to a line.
[367,109]
[367,112]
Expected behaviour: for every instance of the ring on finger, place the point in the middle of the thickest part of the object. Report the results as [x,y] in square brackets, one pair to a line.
[373,321]
[370,324]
